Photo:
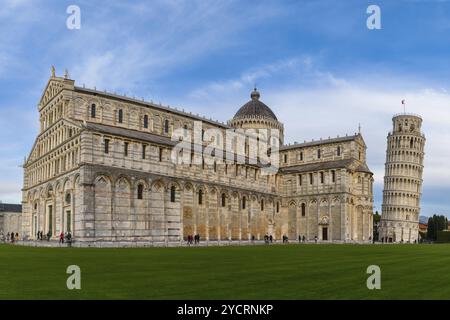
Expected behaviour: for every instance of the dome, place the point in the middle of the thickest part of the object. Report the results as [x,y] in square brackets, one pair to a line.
[255,108]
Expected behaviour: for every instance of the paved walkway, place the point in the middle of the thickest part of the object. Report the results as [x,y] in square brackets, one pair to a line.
[143,244]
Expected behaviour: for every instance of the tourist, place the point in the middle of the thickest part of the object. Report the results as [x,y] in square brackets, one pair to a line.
[69,239]
[271,238]
[7,236]
[12,237]
[17,236]
[61,237]
[304,238]
[49,234]
[299,239]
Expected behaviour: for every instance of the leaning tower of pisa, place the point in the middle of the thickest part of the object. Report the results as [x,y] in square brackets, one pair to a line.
[403,180]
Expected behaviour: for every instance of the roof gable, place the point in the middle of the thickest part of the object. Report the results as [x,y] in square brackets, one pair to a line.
[54,86]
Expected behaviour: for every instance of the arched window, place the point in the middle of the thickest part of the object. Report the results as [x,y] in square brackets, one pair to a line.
[285,158]
[172,194]
[338,151]
[146,121]
[166,126]
[140,191]
[243,202]
[120,116]
[322,179]
[106,145]
[318,154]
[301,156]
[144,147]
[303,209]
[68,198]
[125,148]
[262,204]
[411,143]
[278,207]
[224,200]
[200,196]
[93,110]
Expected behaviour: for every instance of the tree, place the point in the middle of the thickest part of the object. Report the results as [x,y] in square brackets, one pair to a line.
[376,221]
[376,217]
[430,229]
[436,224]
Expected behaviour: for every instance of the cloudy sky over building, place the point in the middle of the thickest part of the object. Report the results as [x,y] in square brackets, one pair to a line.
[316,64]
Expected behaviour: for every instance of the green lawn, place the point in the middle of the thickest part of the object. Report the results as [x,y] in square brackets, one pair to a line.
[246,272]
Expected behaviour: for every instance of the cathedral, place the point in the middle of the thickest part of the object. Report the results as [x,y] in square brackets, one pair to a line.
[102,169]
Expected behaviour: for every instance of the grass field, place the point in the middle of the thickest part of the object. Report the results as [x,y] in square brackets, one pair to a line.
[246,272]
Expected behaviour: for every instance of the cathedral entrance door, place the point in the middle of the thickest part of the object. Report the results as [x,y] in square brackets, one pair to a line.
[324,233]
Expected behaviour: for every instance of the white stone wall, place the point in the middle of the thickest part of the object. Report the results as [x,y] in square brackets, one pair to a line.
[11,222]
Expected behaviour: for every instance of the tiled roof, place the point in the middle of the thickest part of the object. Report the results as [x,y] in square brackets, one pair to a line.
[133,134]
[351,164]
[255,108]
[8,207]
[319,142]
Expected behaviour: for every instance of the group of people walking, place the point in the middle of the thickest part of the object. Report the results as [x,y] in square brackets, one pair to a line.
[65,237]
[268,239]
[40,235]
[193,239]
[10,237]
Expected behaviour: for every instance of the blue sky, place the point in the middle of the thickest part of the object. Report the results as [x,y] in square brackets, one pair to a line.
[315,63]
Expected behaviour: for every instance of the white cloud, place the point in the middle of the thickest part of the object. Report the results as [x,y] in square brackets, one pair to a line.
[116,55]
